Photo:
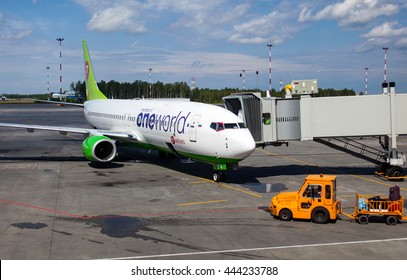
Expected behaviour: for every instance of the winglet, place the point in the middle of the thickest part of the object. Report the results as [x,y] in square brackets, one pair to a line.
[92,90]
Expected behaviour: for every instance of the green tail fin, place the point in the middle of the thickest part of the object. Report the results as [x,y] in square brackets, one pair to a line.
[92,90]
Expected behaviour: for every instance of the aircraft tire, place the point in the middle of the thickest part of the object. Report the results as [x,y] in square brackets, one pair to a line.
[218,176]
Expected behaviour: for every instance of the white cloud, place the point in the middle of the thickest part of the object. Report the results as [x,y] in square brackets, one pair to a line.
[388,33]
[276,26]
[11,29]
[350,13]
[118,18]
[402,43]
[387,29]
[16,35]
[211,17]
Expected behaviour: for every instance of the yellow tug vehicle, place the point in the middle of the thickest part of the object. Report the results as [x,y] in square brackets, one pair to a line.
[316,201]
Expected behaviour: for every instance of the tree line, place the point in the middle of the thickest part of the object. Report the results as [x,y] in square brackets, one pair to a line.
[142,89]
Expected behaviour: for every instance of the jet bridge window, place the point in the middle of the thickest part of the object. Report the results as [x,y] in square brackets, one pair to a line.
[266,118]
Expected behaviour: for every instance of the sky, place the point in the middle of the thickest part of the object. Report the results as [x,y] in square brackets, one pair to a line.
[211,41]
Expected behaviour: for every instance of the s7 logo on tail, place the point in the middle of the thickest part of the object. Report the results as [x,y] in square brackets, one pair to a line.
[86,69]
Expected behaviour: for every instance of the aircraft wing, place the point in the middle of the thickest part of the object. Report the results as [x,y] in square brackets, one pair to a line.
[59,102]
[86,131]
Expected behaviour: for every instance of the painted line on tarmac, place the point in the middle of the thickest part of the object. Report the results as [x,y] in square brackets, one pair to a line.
[287,157]
[261,249]
[201,202]
[232,188]
[40,208]
[140,215]
[327,168]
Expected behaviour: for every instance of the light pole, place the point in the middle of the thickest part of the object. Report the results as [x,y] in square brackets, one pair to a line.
[150,80]
[270,45]
[257,80]
[366,80]
[243,82]
[60,67]
[385,62]
[48,81]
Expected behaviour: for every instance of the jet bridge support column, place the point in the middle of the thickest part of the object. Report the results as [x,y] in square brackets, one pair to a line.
[392,167]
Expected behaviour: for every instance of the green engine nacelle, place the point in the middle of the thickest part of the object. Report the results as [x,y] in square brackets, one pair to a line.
[99,148]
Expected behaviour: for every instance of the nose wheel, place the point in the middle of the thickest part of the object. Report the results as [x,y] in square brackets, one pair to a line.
[219,176]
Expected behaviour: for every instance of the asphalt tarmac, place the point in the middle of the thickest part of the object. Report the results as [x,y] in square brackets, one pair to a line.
[54,204]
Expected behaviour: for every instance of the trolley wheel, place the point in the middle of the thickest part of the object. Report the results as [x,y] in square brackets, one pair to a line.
[391,220]
[363,219]
[320,215]
[285,215]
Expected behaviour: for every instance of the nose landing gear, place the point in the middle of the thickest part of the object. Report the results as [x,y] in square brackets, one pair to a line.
[219,176]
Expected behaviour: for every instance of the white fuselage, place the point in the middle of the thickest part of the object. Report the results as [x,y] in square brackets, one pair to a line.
[202,131]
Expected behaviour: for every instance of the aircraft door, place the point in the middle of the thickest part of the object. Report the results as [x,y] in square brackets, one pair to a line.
[193,128]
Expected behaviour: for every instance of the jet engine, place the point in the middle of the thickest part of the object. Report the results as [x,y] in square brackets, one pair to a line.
[99,148]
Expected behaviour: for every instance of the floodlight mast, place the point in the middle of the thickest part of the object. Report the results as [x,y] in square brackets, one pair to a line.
[270,45]
[60,67]
[48,82]
[150,69]
[385,84]
[366,80]
[385,63]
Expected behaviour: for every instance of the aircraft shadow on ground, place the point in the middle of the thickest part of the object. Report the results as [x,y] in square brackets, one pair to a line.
[244,174]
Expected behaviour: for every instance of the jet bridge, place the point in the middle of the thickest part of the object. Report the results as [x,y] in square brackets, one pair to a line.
[275,121]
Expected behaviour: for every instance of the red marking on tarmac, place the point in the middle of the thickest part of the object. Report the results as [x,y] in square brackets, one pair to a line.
[40,208]
[63,213]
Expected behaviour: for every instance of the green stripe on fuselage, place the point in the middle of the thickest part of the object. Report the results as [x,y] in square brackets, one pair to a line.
[202,158]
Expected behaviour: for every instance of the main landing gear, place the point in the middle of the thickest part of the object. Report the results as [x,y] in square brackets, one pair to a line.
[219,176]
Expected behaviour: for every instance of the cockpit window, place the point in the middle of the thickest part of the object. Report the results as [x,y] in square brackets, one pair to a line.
[218,126]
[231,126]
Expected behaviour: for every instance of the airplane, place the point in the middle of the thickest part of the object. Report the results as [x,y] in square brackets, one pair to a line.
[199,131]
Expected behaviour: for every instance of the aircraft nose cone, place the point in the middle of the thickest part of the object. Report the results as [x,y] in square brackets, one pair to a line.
[246,145]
